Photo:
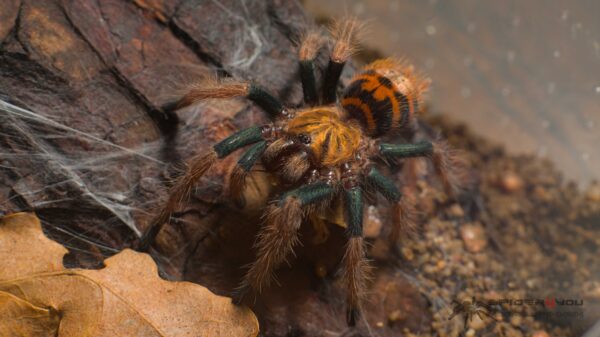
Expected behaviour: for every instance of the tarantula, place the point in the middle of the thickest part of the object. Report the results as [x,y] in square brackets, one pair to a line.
[326,150]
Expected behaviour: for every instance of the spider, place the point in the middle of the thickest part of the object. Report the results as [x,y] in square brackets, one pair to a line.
[325,151]
[471,309]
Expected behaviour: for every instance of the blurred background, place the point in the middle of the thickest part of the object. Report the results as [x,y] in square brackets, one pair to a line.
[524,73]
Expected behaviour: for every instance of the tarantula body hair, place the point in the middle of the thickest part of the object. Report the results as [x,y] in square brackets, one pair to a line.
[211,88]
[385,96]
[324,154]
[331,139]
[345,34]
[355,276]
[309,48]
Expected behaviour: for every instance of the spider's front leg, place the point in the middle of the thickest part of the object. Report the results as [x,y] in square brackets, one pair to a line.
[280,234]
[197,167]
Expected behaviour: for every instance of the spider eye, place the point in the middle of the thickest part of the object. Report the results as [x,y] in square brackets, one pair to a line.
[304,138]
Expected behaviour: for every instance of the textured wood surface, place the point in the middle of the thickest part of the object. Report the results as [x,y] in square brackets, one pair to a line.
[523,73]
[93,153]
[104,68]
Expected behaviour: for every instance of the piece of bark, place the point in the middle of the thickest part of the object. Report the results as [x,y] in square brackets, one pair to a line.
[93,153]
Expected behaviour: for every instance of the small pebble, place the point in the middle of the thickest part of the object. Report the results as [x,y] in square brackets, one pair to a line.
[542,193]
[429,269]
[470,333]
[592,289]
[474,238]
[477,323]
[379,324]
[540,333]
[492,295]
[373,224]
[456,211]
[395,316]
[516,321]
[511,182]
[407,253]
[593,192]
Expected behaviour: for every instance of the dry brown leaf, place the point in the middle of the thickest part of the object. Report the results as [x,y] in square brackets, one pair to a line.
[32,320]
[24,249]
[126,298]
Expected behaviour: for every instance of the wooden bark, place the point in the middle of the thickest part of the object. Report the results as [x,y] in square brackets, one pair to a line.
[104,68]
[93,153]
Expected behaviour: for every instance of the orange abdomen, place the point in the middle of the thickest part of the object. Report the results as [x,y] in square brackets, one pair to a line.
[378,103]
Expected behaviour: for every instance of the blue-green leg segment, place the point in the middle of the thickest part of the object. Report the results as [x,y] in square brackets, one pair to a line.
[354,263]
[271,104]
[309,194]
[197,167]
[392,151]
[383,185]
[237,183]
[280,234]
[354,211]
[252,155]
[238,140]
[309,82]
[330,82]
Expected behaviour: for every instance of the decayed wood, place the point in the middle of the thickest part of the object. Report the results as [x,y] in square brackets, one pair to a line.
[104,68]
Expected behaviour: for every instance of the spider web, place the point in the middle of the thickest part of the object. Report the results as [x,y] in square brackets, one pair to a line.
[73,179]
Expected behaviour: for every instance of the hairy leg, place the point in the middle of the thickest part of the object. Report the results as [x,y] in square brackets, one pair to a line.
[280,234]
[197,167]
[444,160]
[178,193]
[355,264]
[403,212]
[307,53]
[228,88]
[345,35]
[241,170]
